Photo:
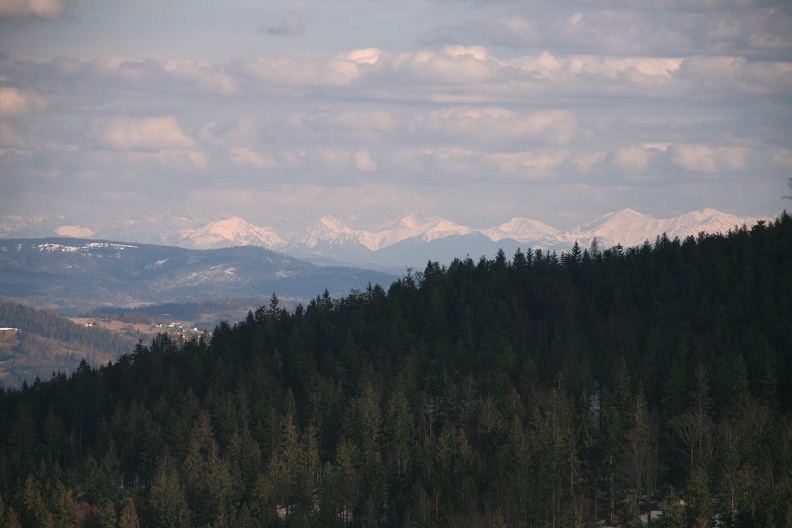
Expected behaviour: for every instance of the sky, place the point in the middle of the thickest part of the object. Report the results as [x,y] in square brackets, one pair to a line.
[476,111]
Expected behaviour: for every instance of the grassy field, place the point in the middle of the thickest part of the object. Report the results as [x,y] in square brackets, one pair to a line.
[120,327]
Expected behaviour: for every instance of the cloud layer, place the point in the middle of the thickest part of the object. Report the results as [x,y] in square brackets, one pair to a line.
[556,112]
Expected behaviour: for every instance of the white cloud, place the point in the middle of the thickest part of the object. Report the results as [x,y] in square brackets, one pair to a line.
[130,69]
[467,164]
[363,161]
[584,161]
[506,107]
[709,160]
[530,164]
[303,73]
[148,133]
[362,55]
[49,9]
[202,74]
[175,159]
[633,160]
[14,102]
[455,65]
[331,159]
[244,156]
[454,75]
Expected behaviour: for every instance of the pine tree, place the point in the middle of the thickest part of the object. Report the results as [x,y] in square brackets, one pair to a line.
[168,504]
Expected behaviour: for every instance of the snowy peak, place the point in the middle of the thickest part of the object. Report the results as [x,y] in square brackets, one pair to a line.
[333,224]
[707,221]
[29,226]
[331,238]
[233,231]
[413,225]
[521,229]
[630,228]
[624,220]
[328,232]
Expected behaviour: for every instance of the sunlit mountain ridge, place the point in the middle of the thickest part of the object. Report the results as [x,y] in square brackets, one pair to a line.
[411,239]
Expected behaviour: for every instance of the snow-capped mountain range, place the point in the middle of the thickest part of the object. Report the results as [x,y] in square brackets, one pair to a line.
[411,240]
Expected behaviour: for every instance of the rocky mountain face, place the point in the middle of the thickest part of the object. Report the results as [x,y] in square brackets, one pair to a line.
[411,240]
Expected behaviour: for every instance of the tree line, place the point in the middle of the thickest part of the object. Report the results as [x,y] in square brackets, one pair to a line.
[539,390]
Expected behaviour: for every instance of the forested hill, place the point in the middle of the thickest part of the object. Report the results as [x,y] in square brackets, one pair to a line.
[42,342]
[531,390]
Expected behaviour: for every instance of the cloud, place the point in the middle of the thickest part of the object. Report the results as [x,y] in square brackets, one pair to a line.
[530,164]
[202,74]
[292,25]
[456,75]
[705,159]
[611,28]
[240,132]
[497,125]
[147,134]
[363,161]
[14,102]
[49,9]
[633,160]
[245,156]
[10,138]
[356,125]
[285,72]
[468,164]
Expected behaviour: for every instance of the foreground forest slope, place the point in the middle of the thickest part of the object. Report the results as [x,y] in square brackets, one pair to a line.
[540,390]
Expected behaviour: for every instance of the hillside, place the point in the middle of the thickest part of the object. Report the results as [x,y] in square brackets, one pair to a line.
[525,390]
[78,275]
[36,343]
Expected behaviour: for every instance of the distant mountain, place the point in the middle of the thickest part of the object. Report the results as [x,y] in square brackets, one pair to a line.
[411,240]
[232,231]
[522,230]
[418,238]
[326,236]
[418,225]
[330,238]
[631,228]
[77,275]
[15,226]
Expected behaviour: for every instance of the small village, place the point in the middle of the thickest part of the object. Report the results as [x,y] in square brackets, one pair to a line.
[177,329]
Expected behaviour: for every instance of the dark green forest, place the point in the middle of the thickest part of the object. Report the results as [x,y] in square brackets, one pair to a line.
[536,390]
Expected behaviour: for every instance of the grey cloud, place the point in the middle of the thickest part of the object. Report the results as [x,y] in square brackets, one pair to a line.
[292,25]
[625,30]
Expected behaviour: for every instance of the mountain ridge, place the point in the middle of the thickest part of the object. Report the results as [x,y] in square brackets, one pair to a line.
[77,275]
[330,238]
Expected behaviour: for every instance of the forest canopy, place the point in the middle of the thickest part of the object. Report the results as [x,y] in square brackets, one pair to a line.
[532,390]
